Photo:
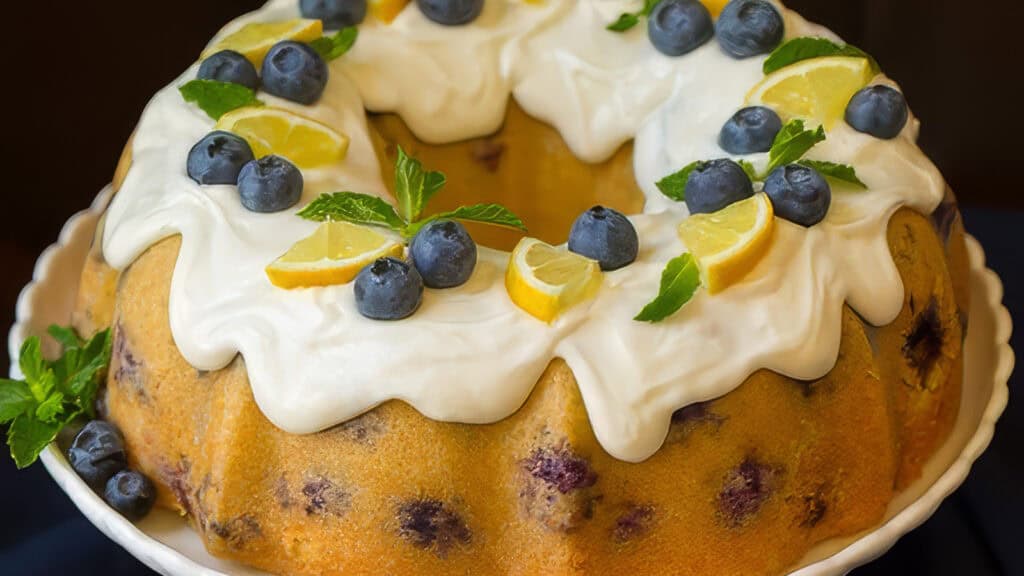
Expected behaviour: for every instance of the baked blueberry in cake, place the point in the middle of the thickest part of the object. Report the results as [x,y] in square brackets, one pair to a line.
[523,287]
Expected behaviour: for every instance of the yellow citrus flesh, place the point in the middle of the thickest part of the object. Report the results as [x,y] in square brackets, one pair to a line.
[305,142]
[254,40]
[386,10]
[817,89]
[715,6]
[729,243]
[334,254]
[546,281]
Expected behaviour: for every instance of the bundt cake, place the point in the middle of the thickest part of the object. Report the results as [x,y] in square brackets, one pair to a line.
[755,359]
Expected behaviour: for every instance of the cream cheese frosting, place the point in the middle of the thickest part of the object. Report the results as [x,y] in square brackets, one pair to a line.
[469,354]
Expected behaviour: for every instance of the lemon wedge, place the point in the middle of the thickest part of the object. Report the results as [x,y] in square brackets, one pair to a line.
[334,254]
[386,10]
[256,39]
[728,243]
[714,6]
[817,89]
[546,281]
[305,142]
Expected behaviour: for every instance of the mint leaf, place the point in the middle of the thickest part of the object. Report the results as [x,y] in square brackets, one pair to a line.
[749,169]
[218,98]
[841,172]
[333,47]
[791,143]
[679,282]
[51,408]
[66,337]
[82,379]
[28,437]
[38,374]
[353,207]
[414,187]
[674,185]
[15,400]
[494,214]
[628,20]
[800,49]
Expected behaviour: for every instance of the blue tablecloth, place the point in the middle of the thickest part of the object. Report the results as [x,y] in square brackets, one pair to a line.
[978,531]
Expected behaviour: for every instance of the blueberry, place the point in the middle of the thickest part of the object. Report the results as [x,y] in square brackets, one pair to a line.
[799,194]
[218,158]
[750,27]
[451,12]
[388,289]
[230,66]
[270,184]
[97,453]
[880,111]
[714,185]
[295,72]
[131,494]
[676,27]
[336,14]
[444,254]
[605,235]
[750,130]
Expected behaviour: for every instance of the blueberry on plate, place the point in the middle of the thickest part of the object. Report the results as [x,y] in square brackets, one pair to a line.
[605,235]
[294,71]
[444,254]
[97,453]
[218,158]
[451,12]
[335,14]
[131,494]
[750,27]
[388,289]
[880,111]
[677,27]
[714,185]
[750,130]
[229,66]
[270,184]
[799,194]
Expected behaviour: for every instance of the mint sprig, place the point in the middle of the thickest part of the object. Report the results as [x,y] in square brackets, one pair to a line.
[628,20]
[800,49]
[679,282]
[53,394]
[414,188]
[791,144]
[334,47]
[218,98]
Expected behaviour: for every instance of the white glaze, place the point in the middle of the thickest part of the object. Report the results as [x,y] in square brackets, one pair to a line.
[469,354]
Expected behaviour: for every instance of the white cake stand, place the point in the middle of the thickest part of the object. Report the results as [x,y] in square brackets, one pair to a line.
[165,543]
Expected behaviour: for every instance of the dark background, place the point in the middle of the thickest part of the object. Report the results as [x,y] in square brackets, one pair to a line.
[78,74]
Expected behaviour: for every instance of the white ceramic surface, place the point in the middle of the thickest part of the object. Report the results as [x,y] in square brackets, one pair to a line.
[165,543]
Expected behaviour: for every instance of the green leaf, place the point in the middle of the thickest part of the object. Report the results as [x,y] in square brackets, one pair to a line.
[679,282]
[791,143]
[15,399]
[353,207]
[494,214]
[218,98]
[749,169]
[834,171]
[333,47]
[38,374]
[628,20]
[28,437]
[414,187]
[800,49]
[66,337]
[51,408]
[674,185]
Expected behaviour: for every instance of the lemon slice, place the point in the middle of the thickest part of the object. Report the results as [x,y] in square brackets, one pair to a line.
[254,40]
[817,89]
[334,254]
[386,10]
[546,281]
[305,142]
[728,243]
